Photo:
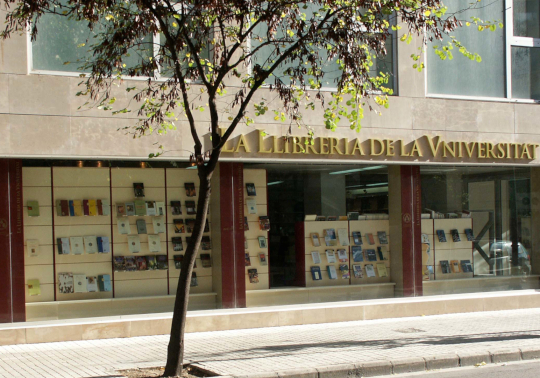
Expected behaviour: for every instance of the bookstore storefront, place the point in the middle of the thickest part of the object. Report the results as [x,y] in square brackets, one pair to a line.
[98,238]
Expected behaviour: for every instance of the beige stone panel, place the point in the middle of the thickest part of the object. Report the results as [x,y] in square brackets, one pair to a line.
[177,177]
[82,230]
[47,294]
[256,176]
[314,316]
[4,99]
[5,141]
[39,94]
[150,177]
[254,320]
[208,323]
[290,317]
[36,176]
[275,297]
[83,259]
[204,285]
[383,311]
[41,233]
[460,115]
[124,195]
[106,330]
[427,114]
[140,288]
[344,314]
[80,177]
[44,219]
[37,135]
[45,256]
[13,51]
[527,116]
[498,304]
[118,91]
[43,273]
[53,334]
[99,137]
[529,301]
[411,82]
[12,336]
[40,194]
[41,311]
[398,116]
[462,305]
[150,327]
[140,275]
[495,117]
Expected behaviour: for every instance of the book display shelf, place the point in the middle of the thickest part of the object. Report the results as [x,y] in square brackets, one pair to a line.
[137,283]
[40,266]
[375,238]
[74,184]
[79,223]
[344,253]
[176,191]
[256,242]
[328,254]
[449,251]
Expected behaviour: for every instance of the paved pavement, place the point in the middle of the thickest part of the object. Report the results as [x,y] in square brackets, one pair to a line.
[528,369]
[251,351]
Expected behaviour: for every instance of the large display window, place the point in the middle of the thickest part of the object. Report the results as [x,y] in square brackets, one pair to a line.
[478,231]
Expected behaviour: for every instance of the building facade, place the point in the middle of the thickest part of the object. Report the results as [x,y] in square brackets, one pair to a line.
[437,195]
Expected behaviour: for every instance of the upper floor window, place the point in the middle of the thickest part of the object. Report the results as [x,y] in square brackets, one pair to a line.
[267,55]
[510,66]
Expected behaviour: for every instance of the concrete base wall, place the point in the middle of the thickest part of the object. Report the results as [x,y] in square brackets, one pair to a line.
[219,320]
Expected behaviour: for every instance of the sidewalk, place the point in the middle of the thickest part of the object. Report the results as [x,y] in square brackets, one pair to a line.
[268,350]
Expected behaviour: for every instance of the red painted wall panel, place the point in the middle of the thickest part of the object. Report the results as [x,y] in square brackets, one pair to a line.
[232,235]
[12,281]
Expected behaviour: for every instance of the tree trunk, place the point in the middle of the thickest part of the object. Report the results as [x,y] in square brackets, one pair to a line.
[175,351]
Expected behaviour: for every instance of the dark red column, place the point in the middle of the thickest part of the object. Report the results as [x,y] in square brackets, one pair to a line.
[411,228]
[12,284]
[233,275]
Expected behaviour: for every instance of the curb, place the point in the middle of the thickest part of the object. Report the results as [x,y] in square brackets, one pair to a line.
[404,365]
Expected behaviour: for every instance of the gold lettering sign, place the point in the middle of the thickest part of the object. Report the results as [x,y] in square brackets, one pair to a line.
[430,147]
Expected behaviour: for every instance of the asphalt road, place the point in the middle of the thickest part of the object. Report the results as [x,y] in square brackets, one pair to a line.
[510,370]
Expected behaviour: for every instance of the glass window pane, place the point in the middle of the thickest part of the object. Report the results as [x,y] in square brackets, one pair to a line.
[331,69]
[57,42]
[527,18]
[462,76]
[61,40]
[526,73]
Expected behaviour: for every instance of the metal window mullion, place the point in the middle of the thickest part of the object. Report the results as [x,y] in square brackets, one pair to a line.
[509,36]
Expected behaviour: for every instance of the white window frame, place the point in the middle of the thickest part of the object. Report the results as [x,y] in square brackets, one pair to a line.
[510,41]
[514,41]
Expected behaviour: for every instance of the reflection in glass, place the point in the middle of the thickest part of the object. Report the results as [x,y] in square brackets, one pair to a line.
[526,73]
[527,18]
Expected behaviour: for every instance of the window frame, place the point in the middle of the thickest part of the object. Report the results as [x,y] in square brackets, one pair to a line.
[510,41]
